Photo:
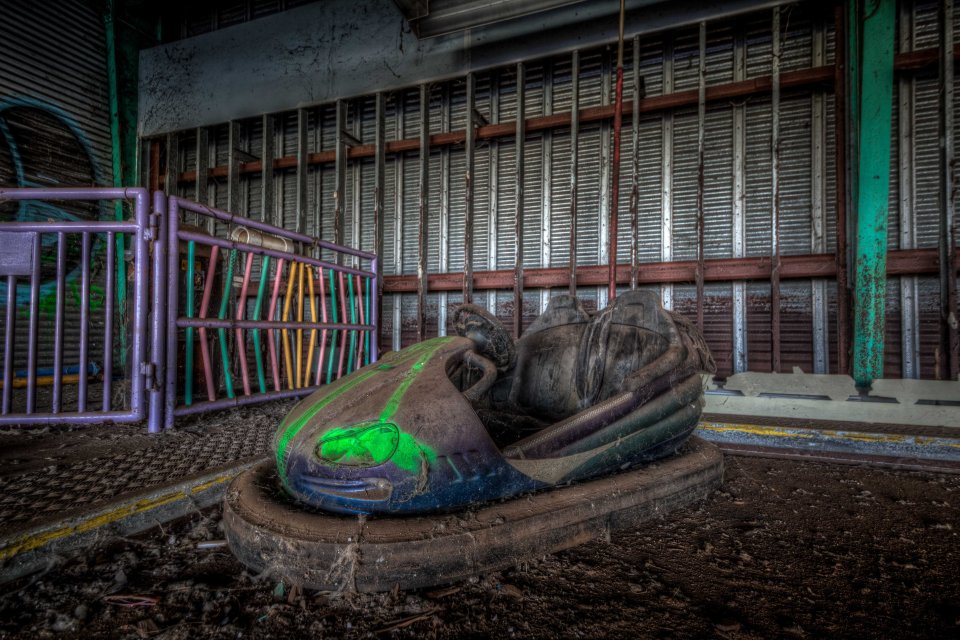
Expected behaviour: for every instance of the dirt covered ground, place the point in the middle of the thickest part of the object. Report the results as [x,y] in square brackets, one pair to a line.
[783,549]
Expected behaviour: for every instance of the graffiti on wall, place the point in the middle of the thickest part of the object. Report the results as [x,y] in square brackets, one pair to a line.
[42,145]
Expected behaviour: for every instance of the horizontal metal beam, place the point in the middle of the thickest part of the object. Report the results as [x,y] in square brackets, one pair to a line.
[918,60]
[903,262]
[921,59]
[801,79]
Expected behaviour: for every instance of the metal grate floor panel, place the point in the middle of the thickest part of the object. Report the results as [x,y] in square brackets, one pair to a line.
[50,475]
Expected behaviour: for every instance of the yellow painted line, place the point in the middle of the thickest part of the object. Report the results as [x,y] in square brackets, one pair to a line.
[890,438]
[851,436]
[752,429]
[206,485]
[30,542]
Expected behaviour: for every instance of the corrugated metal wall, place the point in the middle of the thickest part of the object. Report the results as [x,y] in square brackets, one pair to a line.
[54,131]
[738,184]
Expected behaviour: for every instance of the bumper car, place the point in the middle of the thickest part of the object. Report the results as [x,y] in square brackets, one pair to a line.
[475,423]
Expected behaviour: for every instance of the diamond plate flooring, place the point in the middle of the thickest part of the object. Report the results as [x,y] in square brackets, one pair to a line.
[51,474]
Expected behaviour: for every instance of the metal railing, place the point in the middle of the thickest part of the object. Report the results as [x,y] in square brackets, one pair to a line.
[271,319]
[30,250]
[304,322]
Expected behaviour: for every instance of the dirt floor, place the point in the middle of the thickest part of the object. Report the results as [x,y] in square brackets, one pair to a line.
[783,549]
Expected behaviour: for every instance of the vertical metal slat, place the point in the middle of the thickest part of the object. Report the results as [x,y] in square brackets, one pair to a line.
[909,320]
[775,363]
[444,239]
[635,173]
[33,334]
[233,168]
[950,336]
[379,170]
[574,160]
[398,223]
[9,332]
[818,241]
[470,152]
[521,133]
[267,195]
[58,323]
[424,190]
[493,188]
[606,165]
[303,127]
[666,176]
[201,191]
[108,293]
[739,208]
[339,193]
[701,149]
[546,190]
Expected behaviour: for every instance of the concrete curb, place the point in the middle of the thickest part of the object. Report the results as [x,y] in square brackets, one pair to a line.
[891,449]
[26,552]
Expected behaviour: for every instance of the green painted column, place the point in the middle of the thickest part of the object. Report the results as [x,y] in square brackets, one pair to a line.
[877,21]
[109,22]
[125,36]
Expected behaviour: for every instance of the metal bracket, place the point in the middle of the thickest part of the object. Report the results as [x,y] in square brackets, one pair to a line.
[153,224]
[480,118]
[349,139]
[148,369]
[16,253]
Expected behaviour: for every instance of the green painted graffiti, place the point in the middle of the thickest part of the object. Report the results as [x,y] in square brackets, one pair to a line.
[408,453]
[48,299]
[371,444]
[293,429]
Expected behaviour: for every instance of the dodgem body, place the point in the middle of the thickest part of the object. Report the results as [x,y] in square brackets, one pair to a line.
[462,420]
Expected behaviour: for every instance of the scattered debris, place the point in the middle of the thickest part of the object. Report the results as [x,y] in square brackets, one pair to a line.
[756,560]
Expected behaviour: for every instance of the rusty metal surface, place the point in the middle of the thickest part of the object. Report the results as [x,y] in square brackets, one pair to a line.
[840,131]
[739,78]
[521,134]
[914,262]
[777,260]
[805,78]
[422,205]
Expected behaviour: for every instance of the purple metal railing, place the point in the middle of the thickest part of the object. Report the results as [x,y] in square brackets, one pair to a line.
[21,253]
[340,335]
[321,325]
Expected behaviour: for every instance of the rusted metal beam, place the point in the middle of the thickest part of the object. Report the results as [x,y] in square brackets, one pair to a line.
[154,170]
[233,165]
[921,59]
[799,79]
[615,173]
[775,362]
[470,153]
[520,132]
[172,167]
[422,201]
[635,165]
[574,156]
[267,195]
[840,133]
[903,262]
[701,167]
[340,188]
[379,174]
[303,128]
[949,352]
